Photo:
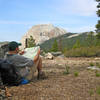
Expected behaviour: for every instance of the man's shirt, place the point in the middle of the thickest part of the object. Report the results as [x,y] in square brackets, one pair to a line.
[20,62]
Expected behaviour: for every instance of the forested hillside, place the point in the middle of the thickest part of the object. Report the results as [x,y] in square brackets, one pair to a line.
[85,44]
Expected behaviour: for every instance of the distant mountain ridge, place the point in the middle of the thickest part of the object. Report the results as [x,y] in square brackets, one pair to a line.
[66,40]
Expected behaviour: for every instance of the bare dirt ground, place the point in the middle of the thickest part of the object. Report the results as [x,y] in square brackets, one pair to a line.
[60,86]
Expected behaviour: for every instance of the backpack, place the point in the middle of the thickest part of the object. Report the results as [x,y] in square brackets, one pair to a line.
[9,74]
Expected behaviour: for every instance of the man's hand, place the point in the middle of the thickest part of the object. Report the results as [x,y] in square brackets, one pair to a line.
[39,51]
[21,52]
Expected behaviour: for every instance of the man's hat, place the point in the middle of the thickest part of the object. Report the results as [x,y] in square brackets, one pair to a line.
[13,45]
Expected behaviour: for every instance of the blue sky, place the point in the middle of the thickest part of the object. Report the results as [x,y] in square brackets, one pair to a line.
[18,16]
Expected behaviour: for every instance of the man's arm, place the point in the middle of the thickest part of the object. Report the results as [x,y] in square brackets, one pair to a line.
[37,56]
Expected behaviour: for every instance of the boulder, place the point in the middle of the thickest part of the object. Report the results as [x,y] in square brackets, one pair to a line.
[56,53]
[61,56]
[49,56]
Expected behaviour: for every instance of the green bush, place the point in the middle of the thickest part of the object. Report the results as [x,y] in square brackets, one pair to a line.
[98,65]
[66,70]
[76,74]
[98,90]
[91,64]
[97,74]
[91,92]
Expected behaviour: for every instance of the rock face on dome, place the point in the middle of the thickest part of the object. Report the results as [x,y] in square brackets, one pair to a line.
[42,33]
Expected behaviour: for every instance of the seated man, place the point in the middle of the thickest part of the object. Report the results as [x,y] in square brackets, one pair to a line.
[23,63]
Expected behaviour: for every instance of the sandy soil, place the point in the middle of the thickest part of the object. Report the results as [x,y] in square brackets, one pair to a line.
[60,86]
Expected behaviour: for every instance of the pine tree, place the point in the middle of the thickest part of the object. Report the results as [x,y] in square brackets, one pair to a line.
[60,47]
[31,42]
[55,46]
[77,44]
[98,6]
[98,24]
[90,39]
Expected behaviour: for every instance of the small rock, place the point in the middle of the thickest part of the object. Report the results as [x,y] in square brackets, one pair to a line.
[93,68]
[49,56]
[97,58]
[56,53]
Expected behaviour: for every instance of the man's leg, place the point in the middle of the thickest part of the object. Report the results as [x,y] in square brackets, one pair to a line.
[36,67]
[39,65]
[41,74]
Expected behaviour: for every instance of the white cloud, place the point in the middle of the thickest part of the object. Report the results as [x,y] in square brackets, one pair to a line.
[85,7]
[81,29]
[77,7]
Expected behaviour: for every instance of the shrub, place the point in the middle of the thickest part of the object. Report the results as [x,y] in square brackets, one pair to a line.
[98,65]
[66,70]
[98,91]
[91,92]
[97,74]
[76,74]
[91,64]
